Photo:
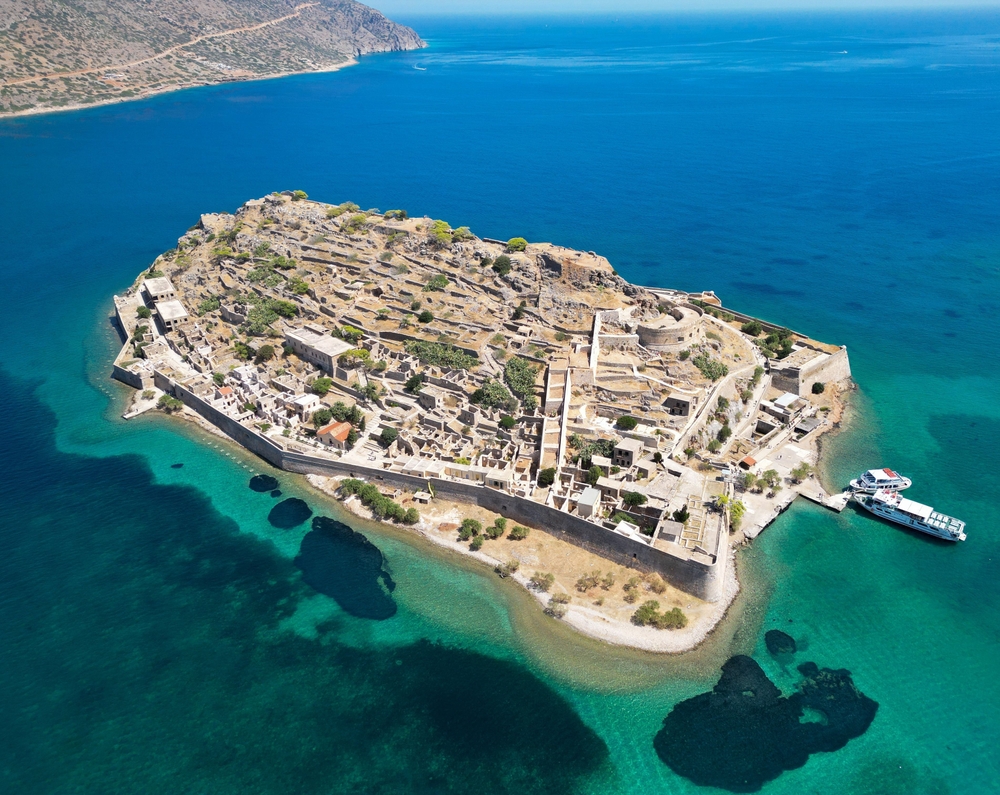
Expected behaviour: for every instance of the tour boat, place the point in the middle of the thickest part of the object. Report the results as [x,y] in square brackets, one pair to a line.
[880,480]
[896,508]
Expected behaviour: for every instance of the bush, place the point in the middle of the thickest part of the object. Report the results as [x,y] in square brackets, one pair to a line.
[752,327]
[299,195]
[801,472]
[633,499]
[507,422]
[496,530]
[818,388]
[322,385]
[517,244]
[519,312]
[608,581]
[425,317]
[656,583]
[144,313]
[546,477]
[501,265]
[477,543]
[681,514]
[462,234]
[388,436]
[724,433]
[714,446]
[684,354]
[411,516]
[507,569]
[588,581]
[518,533]
[594,474]
[560,598]
[555,609]
[396,215]
[541,582]
[437,283]
[626,423]
[218,378]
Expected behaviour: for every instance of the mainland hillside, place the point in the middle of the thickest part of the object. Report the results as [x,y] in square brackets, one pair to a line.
[67,53]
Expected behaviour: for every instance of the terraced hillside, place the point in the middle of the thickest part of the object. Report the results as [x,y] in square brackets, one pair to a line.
[79,52]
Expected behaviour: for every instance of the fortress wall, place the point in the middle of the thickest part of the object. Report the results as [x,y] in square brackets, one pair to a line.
[702,577]
[835,368]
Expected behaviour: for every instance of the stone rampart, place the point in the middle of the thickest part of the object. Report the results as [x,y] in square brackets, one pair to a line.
[694,573]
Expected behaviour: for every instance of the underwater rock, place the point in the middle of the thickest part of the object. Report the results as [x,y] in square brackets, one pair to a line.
[289,513]
[176,466]
[779,642]
[276,493]
[745,733]
[343,564]
[262,483]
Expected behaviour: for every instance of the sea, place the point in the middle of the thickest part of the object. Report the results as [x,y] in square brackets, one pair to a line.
[838,174]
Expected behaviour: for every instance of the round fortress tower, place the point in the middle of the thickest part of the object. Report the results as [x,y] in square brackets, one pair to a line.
[675,329]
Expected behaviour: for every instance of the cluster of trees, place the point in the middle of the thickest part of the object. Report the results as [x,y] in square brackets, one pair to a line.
[709,367]
[494,395]
[263,312]
[590,581]
[520,376]
[769,479]
[354,224]
[649,615]
[801,472]
[776,344]
[736,510]
[169,404]
[441,355]
[586,449]
[381,506]
[208,305]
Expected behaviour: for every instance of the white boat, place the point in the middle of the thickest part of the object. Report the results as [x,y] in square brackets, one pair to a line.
[880,480]
[894,507]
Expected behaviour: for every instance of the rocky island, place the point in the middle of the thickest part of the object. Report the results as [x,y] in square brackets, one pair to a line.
[71,54]
[606,445]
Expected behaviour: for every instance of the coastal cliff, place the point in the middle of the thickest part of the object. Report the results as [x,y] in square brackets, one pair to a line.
[56,56]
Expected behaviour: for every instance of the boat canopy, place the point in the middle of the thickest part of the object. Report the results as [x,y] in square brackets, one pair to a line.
[917,509]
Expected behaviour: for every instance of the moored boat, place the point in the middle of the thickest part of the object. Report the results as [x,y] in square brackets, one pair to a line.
[880,479]
[894,507]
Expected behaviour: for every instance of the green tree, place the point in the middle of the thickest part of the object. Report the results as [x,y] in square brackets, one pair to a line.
[682,514]
[546,477]
[749,481]
[388,436]
[818,387]
[469,528]
[518,533]
[169,404]
[264,354]
[143,312]
[541,582]
[218,378]
[736,511]
[413,383]
[322,385]
[507,422]
[626,423]
[594,474]
[752,327]
[425,317]
[322,417]
[501,265]
[801,472]
[411,516]
[517,244]
[352,438]
[633,499]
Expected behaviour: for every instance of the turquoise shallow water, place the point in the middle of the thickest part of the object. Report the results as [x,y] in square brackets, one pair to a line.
[157,635]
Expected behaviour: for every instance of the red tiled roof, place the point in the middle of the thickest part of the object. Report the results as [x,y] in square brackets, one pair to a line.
[338,430]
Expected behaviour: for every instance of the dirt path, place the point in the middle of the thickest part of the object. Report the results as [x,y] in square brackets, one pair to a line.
[165,53]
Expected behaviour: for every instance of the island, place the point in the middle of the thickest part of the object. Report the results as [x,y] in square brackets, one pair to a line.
[604,444]
[72,54]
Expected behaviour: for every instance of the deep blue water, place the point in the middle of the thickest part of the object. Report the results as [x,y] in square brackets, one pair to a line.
[840,175]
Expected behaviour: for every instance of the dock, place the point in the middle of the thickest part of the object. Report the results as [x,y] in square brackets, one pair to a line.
[835,502]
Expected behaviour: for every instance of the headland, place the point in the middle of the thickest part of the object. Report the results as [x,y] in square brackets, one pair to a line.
[71,55]
[605,444]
